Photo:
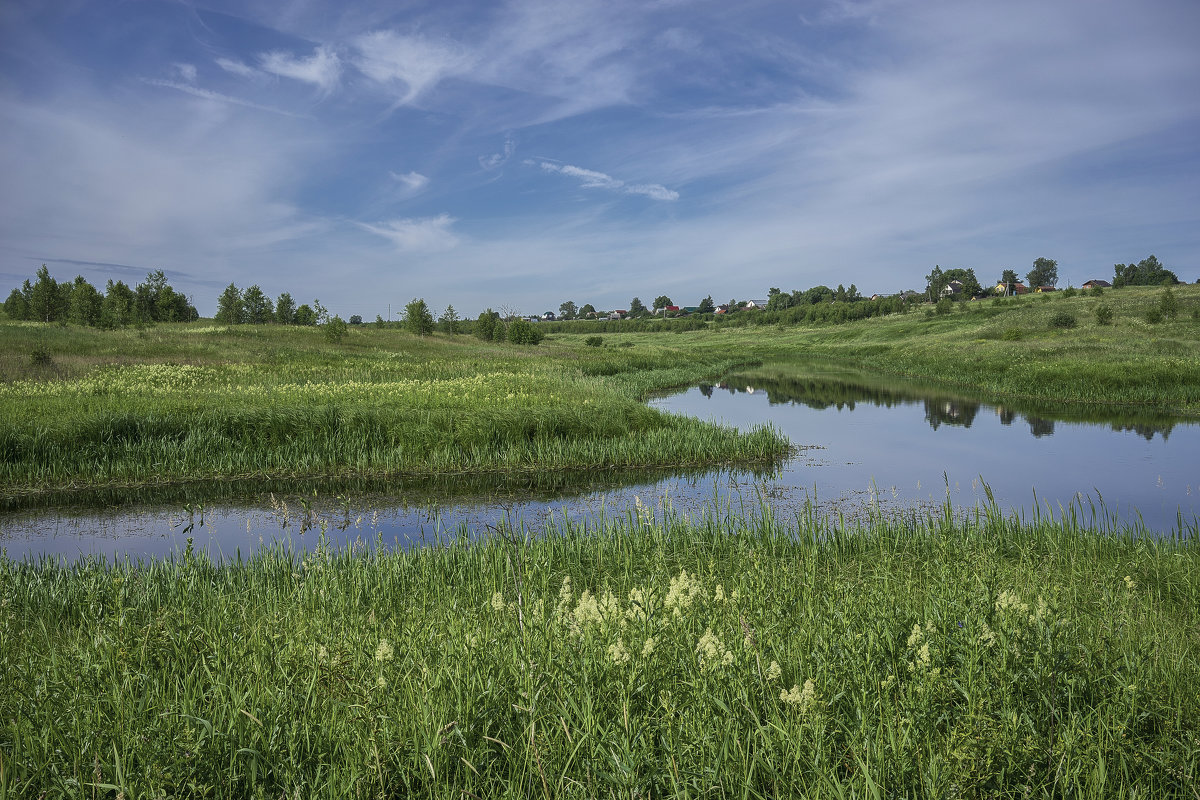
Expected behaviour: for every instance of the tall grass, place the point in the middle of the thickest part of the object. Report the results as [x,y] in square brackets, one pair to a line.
[648,655]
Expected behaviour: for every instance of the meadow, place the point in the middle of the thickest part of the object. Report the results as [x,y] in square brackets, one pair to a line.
[646,655]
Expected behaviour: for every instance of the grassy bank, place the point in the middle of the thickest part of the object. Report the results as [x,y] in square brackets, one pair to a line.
[645,656]
[192,402]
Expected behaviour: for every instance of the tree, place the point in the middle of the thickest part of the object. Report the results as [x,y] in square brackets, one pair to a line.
[304,315]
[16,306]
[257,306]
[449,320]
[417,318]
[707,306]
[1008,277]
[356,319]
[116,310]
[46,300]
[1044,273]
[321,313]
[485,324]
[935,281]
[588,308]
[85,303]
[636,309]
[334,330]
[966,277]
[230,310]
[568,310]
[1147,272]
[662,301]
[522,331]
[285,309]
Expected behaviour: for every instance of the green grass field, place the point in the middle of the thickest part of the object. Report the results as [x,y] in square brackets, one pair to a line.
[645,656]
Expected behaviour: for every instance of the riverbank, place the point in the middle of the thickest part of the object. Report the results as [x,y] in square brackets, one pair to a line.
[650,654]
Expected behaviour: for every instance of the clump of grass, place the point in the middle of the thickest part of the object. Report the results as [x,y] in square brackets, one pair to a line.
[40,357]
[736,654]
[1153,315]
[594,341]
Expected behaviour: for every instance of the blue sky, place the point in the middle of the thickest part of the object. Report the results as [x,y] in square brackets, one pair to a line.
[519,154]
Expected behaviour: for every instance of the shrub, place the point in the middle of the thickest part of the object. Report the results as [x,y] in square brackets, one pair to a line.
[1070,291]
[40,357]
[522,331]
[1154,316]
[944,306]
[355,319]
[593,341]
[630,344]
[1104,314]
[1062,320]
[1012,335]
[1097,291]
[1169,305]
[334,330]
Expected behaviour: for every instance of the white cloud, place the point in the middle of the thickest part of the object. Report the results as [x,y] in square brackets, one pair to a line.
[496,160]
[426,234]
[590,179]
[322,70]
[186,71]
[236,67]
[413,180]
[417,62]
[208,94]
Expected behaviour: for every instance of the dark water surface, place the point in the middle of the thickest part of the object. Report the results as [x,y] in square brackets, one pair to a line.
[864,443]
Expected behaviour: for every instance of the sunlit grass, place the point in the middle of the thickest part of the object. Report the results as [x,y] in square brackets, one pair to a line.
[736,655]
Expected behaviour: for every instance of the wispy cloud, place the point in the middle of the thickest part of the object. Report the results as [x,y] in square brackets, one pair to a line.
[208,94]
[426,234]
[236,67]
[322,69]
[416,63]
[591,179]
[186,71]
[497,160]
[414,181]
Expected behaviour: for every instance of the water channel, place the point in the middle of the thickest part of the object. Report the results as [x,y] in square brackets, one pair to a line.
[864,444]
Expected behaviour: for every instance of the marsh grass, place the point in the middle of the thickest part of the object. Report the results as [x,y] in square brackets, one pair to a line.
[647,655]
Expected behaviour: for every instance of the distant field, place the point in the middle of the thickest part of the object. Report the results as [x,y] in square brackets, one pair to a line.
[196,401]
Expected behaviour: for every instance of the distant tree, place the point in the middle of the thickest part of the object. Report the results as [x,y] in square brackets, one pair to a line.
[500,331]
[588,308]
[970,284]
[662,301]
[568,310]
[379,323]
[285,309]
[840,294]
[116,309]
[707,306]
[522,331]
[1147,272]
[334,330]
[304,315]
[636,309]
[46,299]
[417,318]
[1008,277]
[321,313]
[449,320]
[355,319]
[852,293]
[258,308]
[1044,273]
[485,324]
[17,305]
[1169,305]
[935,281]
[85,303]
[230,310]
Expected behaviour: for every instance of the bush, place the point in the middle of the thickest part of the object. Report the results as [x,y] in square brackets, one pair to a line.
[1062,320]
[944,306]
[40,357]
[1097,291]
[522,331]
[1154,316]
[1012,335]
[1104,314]
[355,319]
[1070,291]
[630,344]
[334,330]
[1169,305]
[593,341]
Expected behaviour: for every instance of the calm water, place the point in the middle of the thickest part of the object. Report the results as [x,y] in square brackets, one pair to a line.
[863,444]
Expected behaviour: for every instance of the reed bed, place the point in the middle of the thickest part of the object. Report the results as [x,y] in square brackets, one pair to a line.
[647,655]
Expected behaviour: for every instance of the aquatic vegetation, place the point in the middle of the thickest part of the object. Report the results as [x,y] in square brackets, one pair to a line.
[916,656]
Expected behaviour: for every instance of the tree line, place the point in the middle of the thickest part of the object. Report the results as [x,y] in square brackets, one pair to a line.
[79,302]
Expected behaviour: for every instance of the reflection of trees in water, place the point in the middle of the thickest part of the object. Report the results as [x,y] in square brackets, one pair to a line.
[940,411]
[820,393]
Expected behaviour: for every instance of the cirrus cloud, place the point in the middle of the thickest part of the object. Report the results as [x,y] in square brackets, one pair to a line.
[425,234]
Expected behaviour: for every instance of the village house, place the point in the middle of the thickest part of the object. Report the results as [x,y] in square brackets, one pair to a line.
[1094,282]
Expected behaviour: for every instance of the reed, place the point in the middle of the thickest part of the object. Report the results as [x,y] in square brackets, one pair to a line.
[644,655]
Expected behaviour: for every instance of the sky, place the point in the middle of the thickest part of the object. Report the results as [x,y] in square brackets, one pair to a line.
[516,155]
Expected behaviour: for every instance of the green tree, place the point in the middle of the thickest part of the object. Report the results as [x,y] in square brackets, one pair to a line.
[320,312]
[257,306]
[116,310]
[47,302]
[355,319]
[636,309]
[334,330]
[935,281]
[588,308]
[305,315]
[85,303]
[1147,272]
[449,320]
[230,310]
[568,310]
[285,309]
[500,331]
[522,331]
[1044,273]
[707,306]
[662,301]
[417,318]
[1169,305]
[485,324]
[17,305]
